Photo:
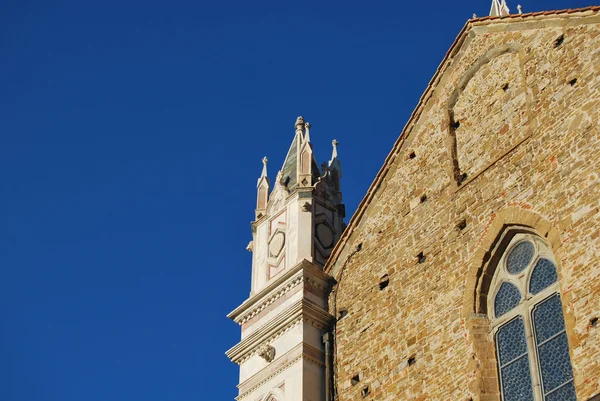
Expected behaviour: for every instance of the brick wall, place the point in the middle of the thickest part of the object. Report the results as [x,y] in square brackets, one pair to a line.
[526,152]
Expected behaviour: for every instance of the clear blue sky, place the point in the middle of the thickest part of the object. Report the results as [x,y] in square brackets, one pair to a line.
[131,135]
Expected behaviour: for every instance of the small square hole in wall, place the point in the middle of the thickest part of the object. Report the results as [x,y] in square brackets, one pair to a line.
[384,282]
[355,380]
[412,360]
[342,312]
[423,198]
[454,124]
[505,87]
[573,82]
[594,322]
[421,258]
[462,224]
[559,41]
[412,155]
[365,392]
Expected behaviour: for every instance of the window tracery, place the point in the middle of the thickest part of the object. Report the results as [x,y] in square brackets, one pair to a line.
[528,324]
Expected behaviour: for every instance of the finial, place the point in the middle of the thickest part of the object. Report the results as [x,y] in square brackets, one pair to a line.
[520,9]
[264,171]
[474,15]
[499,8]
[299,122]
[307,131]
[334,153]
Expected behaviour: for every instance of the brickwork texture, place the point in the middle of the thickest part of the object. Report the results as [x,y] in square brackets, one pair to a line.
[506,135]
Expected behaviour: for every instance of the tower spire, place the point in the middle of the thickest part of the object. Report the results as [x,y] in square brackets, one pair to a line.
[335,170]
[298,223]
[499,8]
[263,188]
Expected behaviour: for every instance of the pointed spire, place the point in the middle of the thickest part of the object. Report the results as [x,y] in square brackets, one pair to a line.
[499,8]
[307,131]
[335,167]
[520,9]
[263,187]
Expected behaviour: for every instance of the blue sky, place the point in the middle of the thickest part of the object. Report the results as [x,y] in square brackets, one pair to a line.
[131,138]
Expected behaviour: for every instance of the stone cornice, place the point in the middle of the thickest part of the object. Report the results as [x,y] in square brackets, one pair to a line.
[300,351]
[269,377]
[301,311]
[304,271]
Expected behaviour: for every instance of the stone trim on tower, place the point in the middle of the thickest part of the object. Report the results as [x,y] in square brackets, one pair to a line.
[297,224]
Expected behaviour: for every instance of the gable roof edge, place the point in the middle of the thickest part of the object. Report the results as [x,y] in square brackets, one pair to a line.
[445,63]
[382,173]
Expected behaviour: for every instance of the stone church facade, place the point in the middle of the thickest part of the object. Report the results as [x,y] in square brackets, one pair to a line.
[471,269]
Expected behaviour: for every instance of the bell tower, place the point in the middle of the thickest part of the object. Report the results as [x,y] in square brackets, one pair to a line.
[297,223]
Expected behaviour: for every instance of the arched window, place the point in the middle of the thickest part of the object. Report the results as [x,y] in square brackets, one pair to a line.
[528,324]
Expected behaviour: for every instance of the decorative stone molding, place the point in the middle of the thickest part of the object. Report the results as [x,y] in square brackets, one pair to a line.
[281,369]
[301,311]
[250,246]
[303,272]
[276,243]
[266,352]
[300,352]
[255,311]
[325,234]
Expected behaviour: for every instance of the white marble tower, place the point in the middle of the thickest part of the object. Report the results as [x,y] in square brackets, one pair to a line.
[281,353]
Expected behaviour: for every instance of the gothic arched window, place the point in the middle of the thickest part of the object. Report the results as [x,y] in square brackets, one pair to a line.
[528,324]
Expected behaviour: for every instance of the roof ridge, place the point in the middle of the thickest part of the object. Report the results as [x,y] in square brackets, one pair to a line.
[536,13]
[427,93]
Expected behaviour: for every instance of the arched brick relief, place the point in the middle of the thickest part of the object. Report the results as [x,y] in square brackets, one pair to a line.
[488,111]
[501,228]
[513,219]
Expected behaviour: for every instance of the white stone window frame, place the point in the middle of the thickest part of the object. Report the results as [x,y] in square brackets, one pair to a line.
[528,302]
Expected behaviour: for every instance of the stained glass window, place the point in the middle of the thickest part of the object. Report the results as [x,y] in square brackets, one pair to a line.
[515,375]
[539,370]
[564,393]
[519,257]
[553,347]
[543,275]
[507,298]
